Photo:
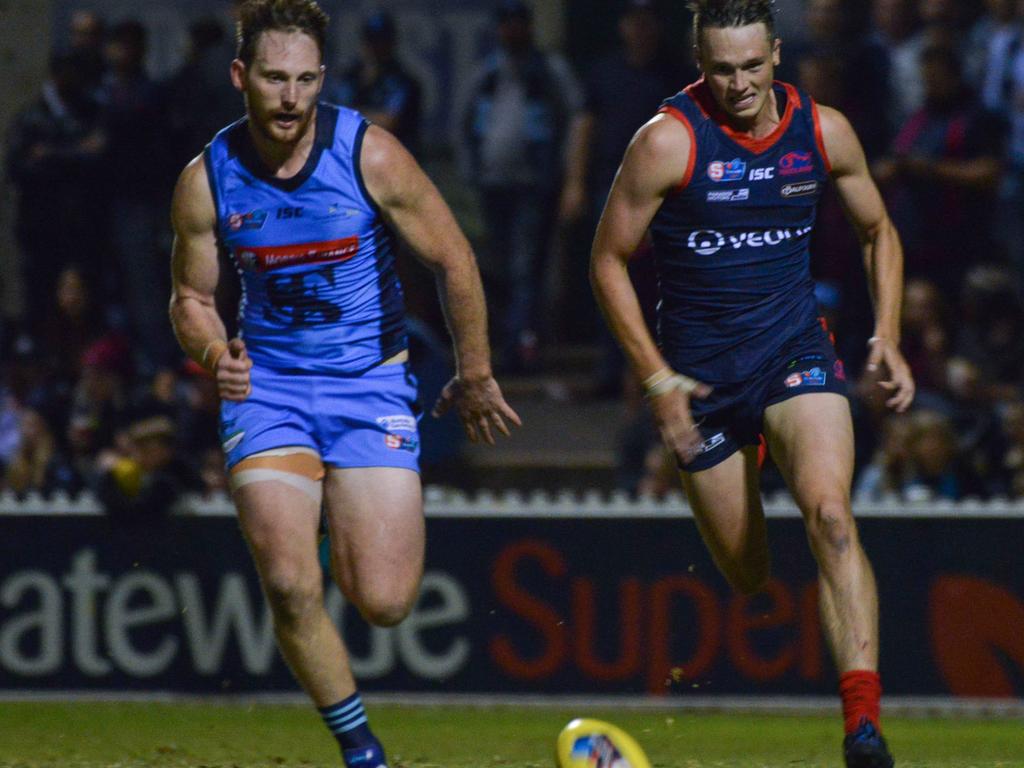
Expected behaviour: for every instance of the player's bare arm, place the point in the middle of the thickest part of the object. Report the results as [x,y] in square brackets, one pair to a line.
[883,254]
[195,272]
[653,166]
[415,209]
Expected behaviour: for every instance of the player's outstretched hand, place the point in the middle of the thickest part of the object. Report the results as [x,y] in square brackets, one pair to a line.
[671,408]
[480,405]
[232,372]
[887,364]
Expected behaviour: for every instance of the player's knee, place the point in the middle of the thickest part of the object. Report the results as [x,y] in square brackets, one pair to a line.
[291,598]
[831,528]
[386,610]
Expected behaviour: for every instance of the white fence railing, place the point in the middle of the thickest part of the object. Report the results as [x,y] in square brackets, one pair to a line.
[445,502]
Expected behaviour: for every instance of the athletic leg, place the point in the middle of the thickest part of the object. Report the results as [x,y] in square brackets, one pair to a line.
[280,521]
[726,503]
[376,529]
[811,440]
[377,535]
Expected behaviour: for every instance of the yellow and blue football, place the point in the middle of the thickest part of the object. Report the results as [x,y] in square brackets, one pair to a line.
[586,743]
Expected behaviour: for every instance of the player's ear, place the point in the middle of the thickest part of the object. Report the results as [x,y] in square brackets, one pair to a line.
[322,74]
[239,74]
[776,52]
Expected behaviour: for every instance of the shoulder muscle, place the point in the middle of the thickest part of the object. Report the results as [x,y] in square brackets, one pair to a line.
[192,207]
[658,156]
[841,143]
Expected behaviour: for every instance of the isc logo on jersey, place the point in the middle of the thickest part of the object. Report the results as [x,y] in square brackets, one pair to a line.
[733,170]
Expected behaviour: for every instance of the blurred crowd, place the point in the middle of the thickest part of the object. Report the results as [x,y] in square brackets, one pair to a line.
[94,393]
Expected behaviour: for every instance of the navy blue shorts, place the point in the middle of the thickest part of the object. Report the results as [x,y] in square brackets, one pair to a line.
[370,420]
[732,416]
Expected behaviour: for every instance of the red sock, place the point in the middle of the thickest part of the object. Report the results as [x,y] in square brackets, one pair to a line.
[860,690]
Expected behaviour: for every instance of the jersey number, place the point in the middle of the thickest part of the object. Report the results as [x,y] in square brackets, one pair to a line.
[291,298]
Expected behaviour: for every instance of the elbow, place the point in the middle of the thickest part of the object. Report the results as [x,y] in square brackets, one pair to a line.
[878,230]
[604,267]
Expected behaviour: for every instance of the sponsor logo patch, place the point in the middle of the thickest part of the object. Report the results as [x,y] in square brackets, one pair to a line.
[401,443]
[400,423]
[812,378]
[728,195]
[762,174]
[711,443]
[340,211]
[707,242]
[793,163]
[250,220]
[733,170]
[799,188]
[266,258]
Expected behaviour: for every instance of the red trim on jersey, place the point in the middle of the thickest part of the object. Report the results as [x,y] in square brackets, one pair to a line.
[702,97]
[269,257]
[692,161]
[819,137]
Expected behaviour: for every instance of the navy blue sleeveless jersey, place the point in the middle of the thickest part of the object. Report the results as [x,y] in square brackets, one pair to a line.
[731,241]
[319,288]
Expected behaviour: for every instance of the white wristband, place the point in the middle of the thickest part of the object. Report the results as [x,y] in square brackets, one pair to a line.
[667,380]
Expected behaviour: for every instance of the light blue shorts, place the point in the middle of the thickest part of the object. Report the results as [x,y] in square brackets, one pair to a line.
[368,420]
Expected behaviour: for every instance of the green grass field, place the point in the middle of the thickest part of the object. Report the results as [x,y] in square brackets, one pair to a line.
[88,735]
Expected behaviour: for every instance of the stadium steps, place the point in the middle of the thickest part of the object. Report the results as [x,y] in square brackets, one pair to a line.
[569,437]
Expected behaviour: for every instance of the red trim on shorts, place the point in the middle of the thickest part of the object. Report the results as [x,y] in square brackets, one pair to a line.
[819,137]
[701,95]
[692,162]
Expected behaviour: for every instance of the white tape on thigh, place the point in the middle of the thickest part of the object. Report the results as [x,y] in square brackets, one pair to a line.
[288,451]
[246,476]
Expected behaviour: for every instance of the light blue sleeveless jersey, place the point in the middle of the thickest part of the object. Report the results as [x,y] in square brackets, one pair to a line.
[316,260]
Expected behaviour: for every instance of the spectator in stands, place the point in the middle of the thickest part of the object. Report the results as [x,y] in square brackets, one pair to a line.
[54,152]
[213,476]
[991,331]
[10,423]
[379,85]
[71,326]
[200,97]
[993,43]
[622,92]
[926,340]
[885,476]
[37,466]
[98,402]
[942,176]
[1011,228]
[141,488]
[1011,470]
[861,85]
[514,126]
[935,470]
[892,34]
[86,34]
[198,422]
[139,181]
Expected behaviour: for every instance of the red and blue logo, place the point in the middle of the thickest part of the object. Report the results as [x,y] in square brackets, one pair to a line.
[812,378]
[250,220]
[733,170]
[793,163]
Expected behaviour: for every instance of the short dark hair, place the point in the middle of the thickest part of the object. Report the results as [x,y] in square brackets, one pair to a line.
[722,14]
[259,16]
